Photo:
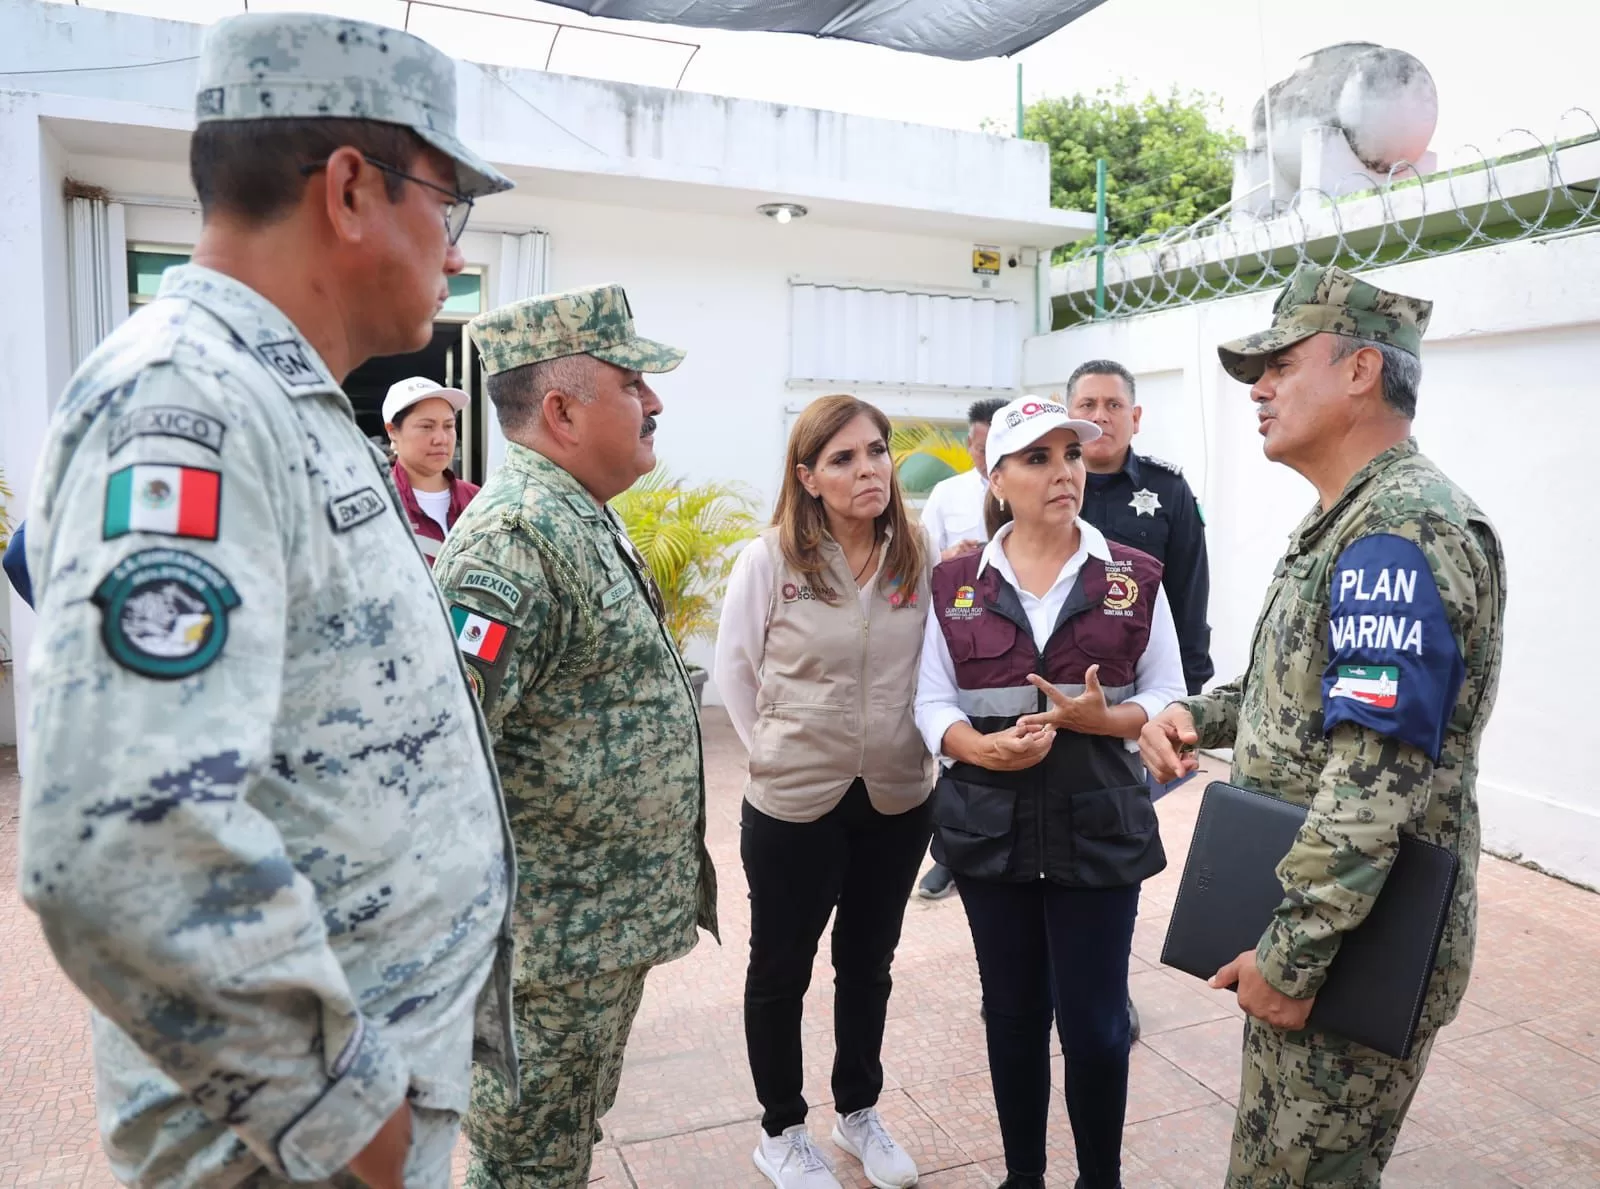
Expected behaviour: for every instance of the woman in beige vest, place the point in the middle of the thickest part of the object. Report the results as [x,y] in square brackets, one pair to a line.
[817,661]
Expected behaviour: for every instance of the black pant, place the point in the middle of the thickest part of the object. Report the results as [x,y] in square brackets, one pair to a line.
[1047,950]
[864,862]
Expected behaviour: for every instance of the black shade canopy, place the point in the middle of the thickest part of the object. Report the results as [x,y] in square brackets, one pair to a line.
[962,29]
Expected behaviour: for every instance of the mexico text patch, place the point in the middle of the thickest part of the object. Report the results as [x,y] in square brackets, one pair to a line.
[166,421]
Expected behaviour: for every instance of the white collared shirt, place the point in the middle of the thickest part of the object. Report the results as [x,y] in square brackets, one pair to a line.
[1158,675]
[954,510]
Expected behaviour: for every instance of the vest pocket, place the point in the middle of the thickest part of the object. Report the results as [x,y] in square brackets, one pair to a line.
[1117,836]
[972,825]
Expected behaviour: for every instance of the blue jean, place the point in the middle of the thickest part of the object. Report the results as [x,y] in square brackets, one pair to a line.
[1051,952]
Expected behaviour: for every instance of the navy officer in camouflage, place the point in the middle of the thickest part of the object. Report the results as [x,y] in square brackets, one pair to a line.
[262,829]
[594,721]
[1372,674]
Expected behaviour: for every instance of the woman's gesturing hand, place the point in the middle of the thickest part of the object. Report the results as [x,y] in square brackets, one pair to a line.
[1016,748]
[1087,713]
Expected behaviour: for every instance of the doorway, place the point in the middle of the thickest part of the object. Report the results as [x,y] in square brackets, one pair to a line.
[451,359]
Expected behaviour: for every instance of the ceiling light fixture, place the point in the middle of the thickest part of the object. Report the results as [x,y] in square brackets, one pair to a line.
[782,212]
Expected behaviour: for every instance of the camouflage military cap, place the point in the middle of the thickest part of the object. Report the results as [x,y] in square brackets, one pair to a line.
[595,321]
[1328,300]
[270,65]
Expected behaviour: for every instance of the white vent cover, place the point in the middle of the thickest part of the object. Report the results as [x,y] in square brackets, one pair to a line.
[846,335]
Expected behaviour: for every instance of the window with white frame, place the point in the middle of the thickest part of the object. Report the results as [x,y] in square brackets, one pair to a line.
[904,338]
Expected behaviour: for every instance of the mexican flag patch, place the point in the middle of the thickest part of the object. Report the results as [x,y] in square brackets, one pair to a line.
[478,635]
[158,498]
[1376,685]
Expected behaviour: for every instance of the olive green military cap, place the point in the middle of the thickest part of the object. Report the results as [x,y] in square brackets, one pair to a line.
[1322,299]
[595,321]
[271,65]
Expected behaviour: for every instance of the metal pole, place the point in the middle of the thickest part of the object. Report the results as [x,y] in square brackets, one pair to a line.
[1266,107]
[1019,100]
[1100,238]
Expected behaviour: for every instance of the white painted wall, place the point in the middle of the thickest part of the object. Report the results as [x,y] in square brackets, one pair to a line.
[1510,408]
[33,334]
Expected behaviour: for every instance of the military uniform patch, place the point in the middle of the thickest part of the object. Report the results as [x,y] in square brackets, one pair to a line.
[1393,663]
[164,613]
[477,635]
[174,501]
[616,593]
[355,507]
[496,585]
[166,421]
[289,362]
[583,506]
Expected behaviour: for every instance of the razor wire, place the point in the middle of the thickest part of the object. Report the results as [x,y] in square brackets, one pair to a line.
[1232,252]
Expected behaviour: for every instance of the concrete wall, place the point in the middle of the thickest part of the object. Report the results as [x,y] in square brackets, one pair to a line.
[1508,408]
[33,334]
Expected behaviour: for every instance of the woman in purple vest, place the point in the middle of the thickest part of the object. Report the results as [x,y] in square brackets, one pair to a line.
[420,417]
[1044,656]
[817,656]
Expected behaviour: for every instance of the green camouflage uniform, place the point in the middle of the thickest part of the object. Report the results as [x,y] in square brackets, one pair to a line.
[1331,714]
[261,827]
[598,740]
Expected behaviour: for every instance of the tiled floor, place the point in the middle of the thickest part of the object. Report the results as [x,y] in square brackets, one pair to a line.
[1512,1095]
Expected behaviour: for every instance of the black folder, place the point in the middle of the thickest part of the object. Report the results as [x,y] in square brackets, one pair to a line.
[1374,989]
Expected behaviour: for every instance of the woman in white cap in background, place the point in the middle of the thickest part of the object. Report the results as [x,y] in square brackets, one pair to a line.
[420,418]
[816,661]
[1044,656]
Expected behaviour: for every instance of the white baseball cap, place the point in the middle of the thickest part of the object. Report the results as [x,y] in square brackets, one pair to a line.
[1027,419]
[408,392]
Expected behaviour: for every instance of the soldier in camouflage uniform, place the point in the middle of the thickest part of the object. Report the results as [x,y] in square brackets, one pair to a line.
[1372,674]
[593,718]
[261,827]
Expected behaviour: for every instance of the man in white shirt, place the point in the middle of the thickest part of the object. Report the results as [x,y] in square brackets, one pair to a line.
[953,520]
[953,514]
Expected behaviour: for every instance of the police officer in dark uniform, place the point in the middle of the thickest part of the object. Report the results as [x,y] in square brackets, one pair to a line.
[1146,503]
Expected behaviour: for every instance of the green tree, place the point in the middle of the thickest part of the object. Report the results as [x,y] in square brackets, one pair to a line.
[1167,163]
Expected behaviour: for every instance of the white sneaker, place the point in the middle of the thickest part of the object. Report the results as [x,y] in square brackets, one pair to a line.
[793,1160]
[886,1163]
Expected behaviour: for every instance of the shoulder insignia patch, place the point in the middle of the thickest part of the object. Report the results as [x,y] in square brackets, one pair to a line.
[164,613]
[355,507]
[1393,663]
[583,506]
[173,501]
[1162,463]
[288,360]
[492,584]
[166,421]
[477,635]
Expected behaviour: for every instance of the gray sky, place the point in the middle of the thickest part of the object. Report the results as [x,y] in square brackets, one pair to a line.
[1498,66]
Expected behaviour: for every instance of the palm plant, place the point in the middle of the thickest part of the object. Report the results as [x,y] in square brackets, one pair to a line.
[925,452]
[686,534]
